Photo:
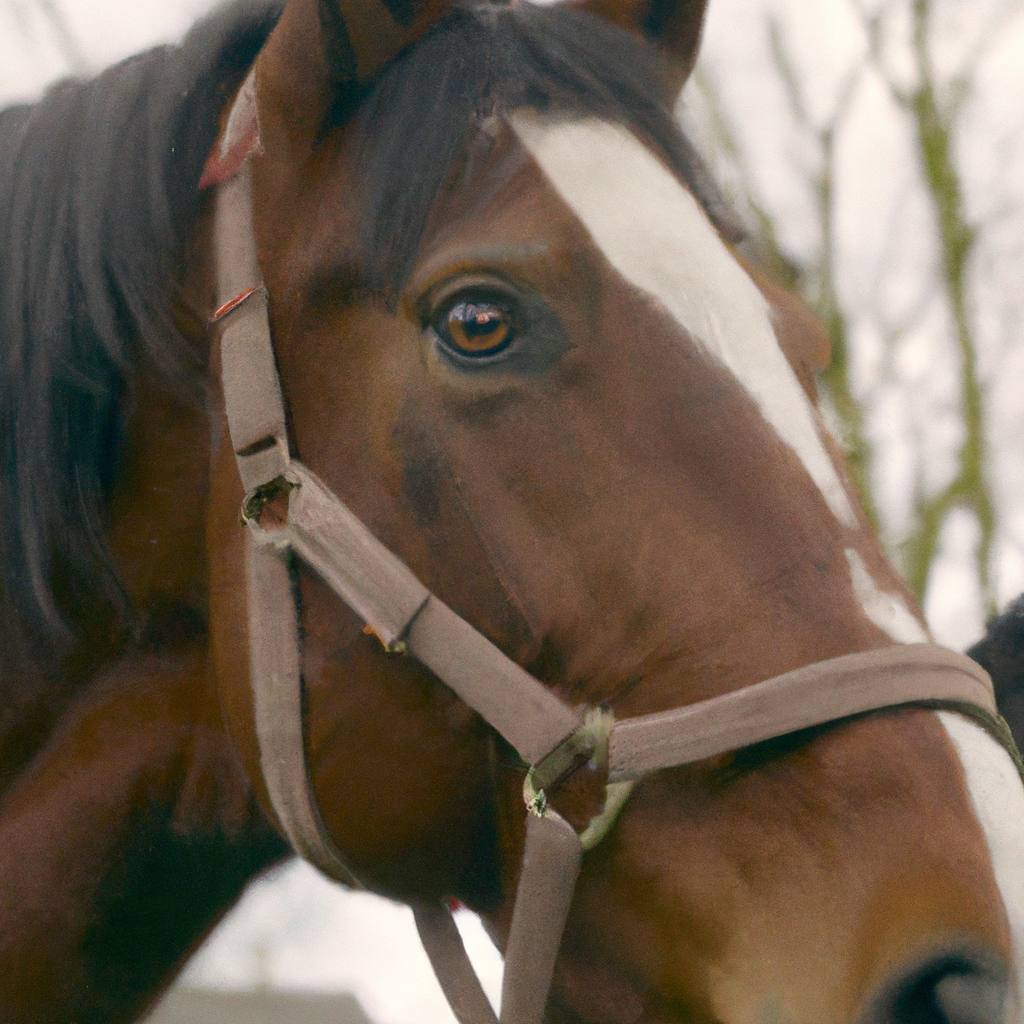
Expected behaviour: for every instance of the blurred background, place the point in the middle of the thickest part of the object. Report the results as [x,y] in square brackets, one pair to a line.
[875,149]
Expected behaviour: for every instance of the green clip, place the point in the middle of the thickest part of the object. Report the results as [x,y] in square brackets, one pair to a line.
[589,740]
[536,799]
[254,505]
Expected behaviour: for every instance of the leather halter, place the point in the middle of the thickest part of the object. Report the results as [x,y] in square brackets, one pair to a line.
[548,735]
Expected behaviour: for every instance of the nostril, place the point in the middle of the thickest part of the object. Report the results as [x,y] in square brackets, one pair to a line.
[970,999]
[948,989]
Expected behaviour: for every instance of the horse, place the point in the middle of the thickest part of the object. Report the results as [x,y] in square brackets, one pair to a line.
[513,332]
[1001,653]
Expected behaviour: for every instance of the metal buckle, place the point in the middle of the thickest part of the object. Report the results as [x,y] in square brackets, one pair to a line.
[255,503]
[589,740]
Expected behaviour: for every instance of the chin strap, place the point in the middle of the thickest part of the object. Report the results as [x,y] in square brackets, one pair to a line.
[549,736]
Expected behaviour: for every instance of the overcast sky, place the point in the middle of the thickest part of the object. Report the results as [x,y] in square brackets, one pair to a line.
[297,930]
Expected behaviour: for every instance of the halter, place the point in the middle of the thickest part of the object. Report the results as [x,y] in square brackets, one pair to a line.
[548,735]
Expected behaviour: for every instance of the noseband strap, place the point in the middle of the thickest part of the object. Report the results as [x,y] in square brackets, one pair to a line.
[548,734]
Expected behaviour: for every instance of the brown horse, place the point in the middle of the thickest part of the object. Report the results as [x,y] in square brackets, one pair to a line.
[512,335]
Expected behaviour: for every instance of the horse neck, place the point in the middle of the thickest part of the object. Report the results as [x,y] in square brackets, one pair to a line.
[157,509]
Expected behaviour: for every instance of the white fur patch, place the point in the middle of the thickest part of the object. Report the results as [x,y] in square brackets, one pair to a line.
[888,612]
[655,234]
[998,798]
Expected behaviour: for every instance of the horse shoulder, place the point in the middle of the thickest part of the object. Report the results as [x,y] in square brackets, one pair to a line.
[131,831]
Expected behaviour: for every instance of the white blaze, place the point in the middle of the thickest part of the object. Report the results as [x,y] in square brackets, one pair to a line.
[655,234]
[998,797]
[888,612]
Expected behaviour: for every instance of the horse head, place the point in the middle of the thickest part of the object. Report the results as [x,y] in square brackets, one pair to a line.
[514,336]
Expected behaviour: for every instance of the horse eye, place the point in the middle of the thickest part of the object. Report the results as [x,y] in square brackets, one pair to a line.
[476,330]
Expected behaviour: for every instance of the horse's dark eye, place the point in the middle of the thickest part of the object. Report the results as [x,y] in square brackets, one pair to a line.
[476,329]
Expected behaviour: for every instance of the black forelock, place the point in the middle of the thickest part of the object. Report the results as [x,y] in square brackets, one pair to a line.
[98,193]
[97,196]
[486,59]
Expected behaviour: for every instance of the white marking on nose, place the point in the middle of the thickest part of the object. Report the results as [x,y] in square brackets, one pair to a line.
[654,233]
[656,236]
[997,794]
[888,612]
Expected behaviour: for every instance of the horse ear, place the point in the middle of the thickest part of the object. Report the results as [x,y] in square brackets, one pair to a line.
[674,26]
[321,49]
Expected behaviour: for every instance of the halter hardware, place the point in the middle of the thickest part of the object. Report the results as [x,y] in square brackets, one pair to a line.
[255,503]
[549,736]
[587,742]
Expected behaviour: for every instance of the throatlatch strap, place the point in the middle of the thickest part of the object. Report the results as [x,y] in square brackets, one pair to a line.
[277,706]
[452,966]
[256,423]
[547,880]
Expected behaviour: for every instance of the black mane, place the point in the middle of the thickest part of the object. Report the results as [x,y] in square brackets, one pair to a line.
[97,194]
[1001,653]
[98,191]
